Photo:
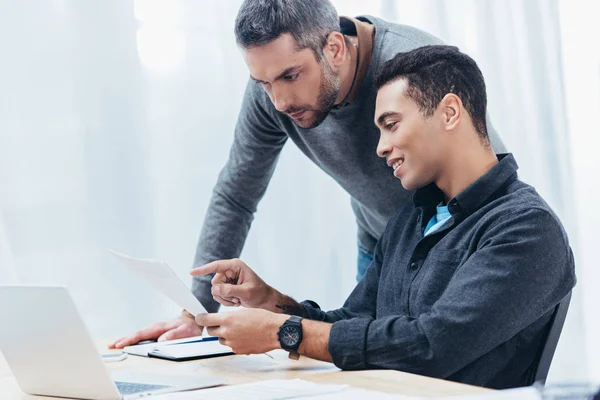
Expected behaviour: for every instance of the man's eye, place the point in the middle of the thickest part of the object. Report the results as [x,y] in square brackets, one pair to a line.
[390,125]
[291,77]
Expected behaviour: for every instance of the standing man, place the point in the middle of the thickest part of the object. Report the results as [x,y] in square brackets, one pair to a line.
[312,82]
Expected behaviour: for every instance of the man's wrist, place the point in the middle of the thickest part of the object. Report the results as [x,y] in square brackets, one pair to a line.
[273,298]
[289,306]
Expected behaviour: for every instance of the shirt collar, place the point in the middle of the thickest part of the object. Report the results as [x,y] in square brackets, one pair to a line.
[364,31]
[475,195]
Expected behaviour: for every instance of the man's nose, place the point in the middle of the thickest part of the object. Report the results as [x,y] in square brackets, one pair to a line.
[280,99]
[383,148]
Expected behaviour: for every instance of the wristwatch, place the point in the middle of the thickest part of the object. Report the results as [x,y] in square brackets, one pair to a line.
[290,336]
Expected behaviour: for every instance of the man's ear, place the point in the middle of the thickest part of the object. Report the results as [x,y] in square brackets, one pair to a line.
[451,107]
[335,49]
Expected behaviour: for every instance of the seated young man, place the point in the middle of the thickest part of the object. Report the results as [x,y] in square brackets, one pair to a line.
[464,281]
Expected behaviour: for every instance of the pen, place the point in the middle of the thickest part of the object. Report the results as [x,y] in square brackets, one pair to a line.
[204,339]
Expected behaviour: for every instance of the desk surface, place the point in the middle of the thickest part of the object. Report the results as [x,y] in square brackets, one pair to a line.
[245,369]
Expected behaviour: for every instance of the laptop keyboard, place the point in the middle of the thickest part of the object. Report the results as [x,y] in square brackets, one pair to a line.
[126,388]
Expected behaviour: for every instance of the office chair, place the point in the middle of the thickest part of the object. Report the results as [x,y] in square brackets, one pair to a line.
[541,363]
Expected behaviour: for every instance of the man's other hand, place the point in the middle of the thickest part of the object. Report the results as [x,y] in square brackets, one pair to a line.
[182,327]
[245,331]
[235,284]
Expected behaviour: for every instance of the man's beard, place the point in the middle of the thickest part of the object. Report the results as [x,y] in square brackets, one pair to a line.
[328,92]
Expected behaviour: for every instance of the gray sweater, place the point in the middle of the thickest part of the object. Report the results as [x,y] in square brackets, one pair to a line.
[343,146]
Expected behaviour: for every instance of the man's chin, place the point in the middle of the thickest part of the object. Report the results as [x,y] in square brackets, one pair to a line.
[305,124]
[408,184]
[310,120]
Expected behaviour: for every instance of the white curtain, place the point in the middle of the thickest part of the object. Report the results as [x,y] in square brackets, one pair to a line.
[116,117]
[581,65]
[8,273]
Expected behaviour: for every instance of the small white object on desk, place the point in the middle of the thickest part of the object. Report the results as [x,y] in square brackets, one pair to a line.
[113,357]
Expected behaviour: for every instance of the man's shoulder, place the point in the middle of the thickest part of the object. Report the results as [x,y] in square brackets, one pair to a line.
[522,205]
[392,38]
[519,197]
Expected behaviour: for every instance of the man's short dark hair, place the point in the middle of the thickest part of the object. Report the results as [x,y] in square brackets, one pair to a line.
[431,72]
[260,22]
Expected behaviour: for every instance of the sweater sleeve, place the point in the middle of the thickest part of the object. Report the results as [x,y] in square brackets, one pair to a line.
[240,186]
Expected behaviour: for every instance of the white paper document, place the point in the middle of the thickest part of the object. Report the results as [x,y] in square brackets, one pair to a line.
[284,389]
[523,393]
[277,389]
[163,278]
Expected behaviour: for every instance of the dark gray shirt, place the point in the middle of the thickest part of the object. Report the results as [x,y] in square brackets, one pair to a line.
[467,303]
[343,146]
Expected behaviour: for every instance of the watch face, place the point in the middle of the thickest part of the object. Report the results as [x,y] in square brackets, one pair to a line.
[290,336]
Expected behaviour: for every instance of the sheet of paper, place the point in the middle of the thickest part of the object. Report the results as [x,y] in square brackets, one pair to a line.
[277,389]
[163,278]
[524,393]
[364,394]
[283,389]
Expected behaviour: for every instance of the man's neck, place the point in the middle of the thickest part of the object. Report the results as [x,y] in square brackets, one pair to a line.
[466,162]
[348,70]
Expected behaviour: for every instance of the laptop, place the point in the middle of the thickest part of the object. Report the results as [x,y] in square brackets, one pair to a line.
[50,352]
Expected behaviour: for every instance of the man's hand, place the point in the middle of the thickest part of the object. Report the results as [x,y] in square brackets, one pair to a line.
[167,330]
[235,284]
[250,331]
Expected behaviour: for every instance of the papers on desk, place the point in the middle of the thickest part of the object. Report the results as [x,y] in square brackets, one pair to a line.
[163,278]
[524,393]
[283,389]
[277,389]
[528,393]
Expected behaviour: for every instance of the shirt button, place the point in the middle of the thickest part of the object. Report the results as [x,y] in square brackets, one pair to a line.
[414,265]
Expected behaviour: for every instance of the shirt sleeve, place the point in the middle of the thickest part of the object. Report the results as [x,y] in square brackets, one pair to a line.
[523,267]
[362,302]
[240,186]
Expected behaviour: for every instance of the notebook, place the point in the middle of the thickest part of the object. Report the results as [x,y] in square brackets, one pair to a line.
[193,348]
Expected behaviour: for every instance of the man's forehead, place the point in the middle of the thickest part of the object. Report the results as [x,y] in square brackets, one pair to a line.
[392,99]
[271,59]
[393,89]
[391,93]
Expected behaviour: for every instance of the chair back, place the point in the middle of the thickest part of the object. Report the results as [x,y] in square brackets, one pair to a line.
[544,358]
